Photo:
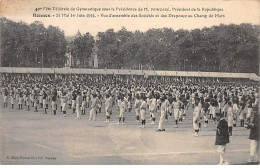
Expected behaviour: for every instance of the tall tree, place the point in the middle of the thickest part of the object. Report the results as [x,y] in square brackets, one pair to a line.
[107,44]
[29,45]
[82,48]
[55,47]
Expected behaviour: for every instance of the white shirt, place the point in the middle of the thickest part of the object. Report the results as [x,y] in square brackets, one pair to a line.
[152,104]
[196,112]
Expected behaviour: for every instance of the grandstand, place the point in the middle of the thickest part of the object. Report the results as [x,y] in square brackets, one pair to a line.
[145,73]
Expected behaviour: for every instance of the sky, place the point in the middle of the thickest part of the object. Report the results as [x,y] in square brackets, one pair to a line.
[234,11]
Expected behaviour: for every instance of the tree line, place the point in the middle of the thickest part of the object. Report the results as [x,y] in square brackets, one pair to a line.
[33,45]
[223,48]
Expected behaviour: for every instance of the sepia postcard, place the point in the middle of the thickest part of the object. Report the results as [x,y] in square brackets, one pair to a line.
[129,82]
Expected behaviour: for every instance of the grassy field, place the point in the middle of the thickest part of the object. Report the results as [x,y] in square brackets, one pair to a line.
[28,137]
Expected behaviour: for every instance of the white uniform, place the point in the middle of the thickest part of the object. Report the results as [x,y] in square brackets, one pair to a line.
[143,109]
[256,99]
[53,105]
[158,102]
[5,99]
[108,106]
[152,107]
[44,102]
[83,105]
[249,110]
[73,104]
[78,103]
[41,97]
[176,106]
[163,113]
[213,110]
[137,107]
[230,116]
[93,107]
[148,101]
[31,97]
[63,103]
[20,100]
[180,110]
[25,97]
[87,99]
[35,99]
[69,98]
[28,100]
[167,105]
[235,107]
[12,99]
[118,103]
[196,116]
[129,105]
[122,109]
[193,99]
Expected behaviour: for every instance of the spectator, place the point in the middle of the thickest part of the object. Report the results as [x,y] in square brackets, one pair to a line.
[222,138]
[254,136]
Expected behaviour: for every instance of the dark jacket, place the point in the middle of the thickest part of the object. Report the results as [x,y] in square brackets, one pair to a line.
[254,132]
[222,136]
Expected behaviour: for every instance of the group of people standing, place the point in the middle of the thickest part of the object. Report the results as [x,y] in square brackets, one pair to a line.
[209,102]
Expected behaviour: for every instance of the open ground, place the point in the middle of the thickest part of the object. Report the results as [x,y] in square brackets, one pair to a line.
[29,137]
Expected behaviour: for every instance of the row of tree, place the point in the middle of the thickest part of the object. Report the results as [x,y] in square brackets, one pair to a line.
[81,49]
[225,48]
[31,45]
